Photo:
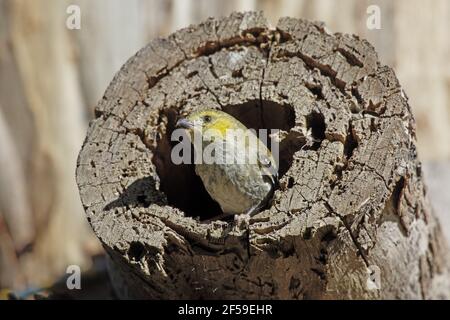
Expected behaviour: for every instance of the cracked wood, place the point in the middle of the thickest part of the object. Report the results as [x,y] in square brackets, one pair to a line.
[351,193]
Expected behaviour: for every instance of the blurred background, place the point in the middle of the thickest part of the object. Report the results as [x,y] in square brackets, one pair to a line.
[51,78]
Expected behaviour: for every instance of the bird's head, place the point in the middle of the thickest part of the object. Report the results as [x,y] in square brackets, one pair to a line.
[209,121]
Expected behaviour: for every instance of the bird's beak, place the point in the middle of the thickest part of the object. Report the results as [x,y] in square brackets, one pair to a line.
[184,123]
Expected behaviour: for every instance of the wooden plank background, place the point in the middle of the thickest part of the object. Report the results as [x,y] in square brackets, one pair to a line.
[51,78]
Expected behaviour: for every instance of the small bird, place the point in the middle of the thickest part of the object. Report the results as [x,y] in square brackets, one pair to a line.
[243,174]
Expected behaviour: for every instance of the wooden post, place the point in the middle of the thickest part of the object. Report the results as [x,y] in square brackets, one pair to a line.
[350,219]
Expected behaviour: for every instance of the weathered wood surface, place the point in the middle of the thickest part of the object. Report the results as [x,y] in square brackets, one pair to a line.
[349,202]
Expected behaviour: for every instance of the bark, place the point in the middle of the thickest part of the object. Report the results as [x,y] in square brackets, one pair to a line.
[350,218]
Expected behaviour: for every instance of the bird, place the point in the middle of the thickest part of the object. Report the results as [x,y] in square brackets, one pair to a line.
[243,174]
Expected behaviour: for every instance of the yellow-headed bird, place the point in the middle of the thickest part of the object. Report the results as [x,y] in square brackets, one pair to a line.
[241,172]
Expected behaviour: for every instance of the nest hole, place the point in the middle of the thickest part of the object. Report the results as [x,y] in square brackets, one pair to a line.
[183,188]
[350,143]
[136,251]
[315,123]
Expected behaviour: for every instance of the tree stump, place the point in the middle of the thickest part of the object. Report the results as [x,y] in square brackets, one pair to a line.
[350,218]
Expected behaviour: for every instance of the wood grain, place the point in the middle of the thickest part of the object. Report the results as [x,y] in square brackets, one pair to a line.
[352,200]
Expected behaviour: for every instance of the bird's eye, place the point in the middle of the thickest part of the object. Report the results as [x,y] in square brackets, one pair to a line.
[207,118]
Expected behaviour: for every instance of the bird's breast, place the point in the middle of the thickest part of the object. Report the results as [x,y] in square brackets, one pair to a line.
[234,181]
